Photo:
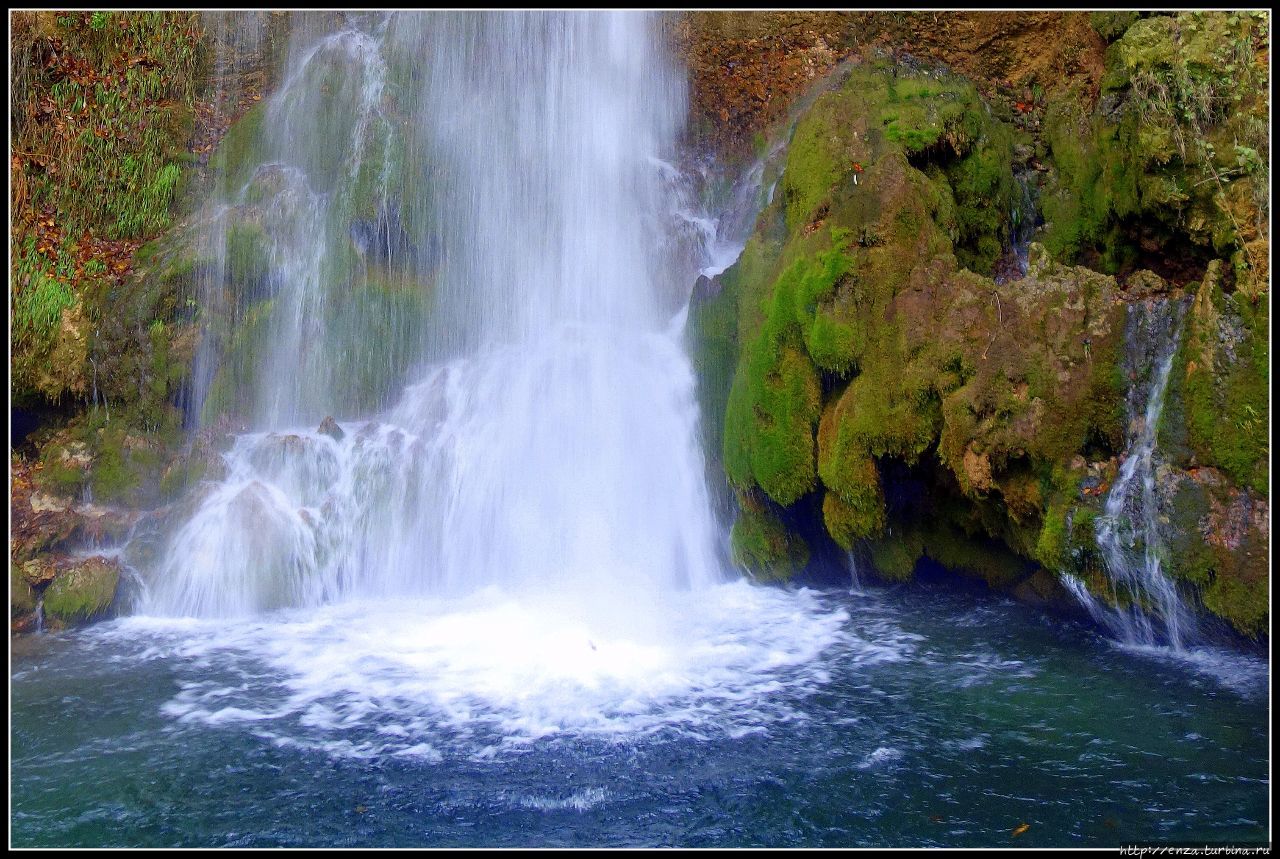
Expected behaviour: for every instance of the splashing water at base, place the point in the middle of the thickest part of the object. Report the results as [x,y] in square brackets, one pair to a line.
[524,542]
[495,670]
[349,725]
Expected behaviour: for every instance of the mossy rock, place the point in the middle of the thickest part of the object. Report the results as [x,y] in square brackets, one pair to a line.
[771,416]
[861,309]
[82,591]
[1042,588]
[1220,384]
[977,556]
[1239,593]
[1218,538]
[1172,150]
[242,148]
[1112,25]
[248,257]
[763,545]
[895,555]
[22,600]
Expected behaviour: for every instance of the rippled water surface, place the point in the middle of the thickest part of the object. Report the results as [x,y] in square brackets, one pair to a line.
[749,716]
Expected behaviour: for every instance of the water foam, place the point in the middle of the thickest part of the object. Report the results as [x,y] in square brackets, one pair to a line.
[425,677]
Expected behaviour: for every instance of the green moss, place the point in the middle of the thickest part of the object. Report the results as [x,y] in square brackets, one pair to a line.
[849,521]
[1067,539]
[763,546]
[895,556]
[713,327]
[247,257]
[1224,395]
[975,555]
[111,479]
[985,191]
[853,303]
[1241,601]
[59,472]
[1191,558]
[242,147]
[1167,147]
[1112,25]
[22,600]
[771,416]
[920,114]
[816,159]
[773,404]
[1094,184]
[82,591]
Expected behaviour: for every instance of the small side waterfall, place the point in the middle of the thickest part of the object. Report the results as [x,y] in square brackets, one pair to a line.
[1146,608]
[1024,218]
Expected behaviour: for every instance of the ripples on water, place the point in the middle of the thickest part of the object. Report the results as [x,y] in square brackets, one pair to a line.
[757,716]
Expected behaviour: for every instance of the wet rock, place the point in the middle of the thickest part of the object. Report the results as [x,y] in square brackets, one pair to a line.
[82,591]
[103,524]
[42,503]
[1041,589]
[704,289]
[330,428]
[22,599]
[38,572]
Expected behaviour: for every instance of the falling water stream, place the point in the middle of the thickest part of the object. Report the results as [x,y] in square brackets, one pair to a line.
[1145,608]
[486,607]
[525,536]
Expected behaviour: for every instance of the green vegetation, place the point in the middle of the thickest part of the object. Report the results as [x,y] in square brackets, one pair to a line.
[860,310]
[102,111]
[82,592]
[763,545]
[1172,145]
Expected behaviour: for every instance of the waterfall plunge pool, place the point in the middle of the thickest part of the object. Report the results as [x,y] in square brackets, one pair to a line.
[758,716]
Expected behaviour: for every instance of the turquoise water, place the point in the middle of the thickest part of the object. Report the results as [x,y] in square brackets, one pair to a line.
[924,717]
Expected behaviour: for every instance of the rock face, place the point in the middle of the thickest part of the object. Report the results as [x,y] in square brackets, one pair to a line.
[82,591]
[861,366]
[746,68]
[330,428]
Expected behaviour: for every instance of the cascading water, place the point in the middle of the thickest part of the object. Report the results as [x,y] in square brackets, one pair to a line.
[1147,609]
[481,608]
[528,527]
[293,234]
[537,457]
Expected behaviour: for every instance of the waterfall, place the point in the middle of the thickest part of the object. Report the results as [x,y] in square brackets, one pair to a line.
[1146,608]
[1025,218]
[549,442]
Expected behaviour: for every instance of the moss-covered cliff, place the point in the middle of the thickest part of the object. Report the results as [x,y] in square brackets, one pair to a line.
[860,360]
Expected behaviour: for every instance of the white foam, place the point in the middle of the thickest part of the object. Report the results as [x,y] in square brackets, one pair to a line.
[881,755]
[1239,672]
[580,801]
[424,677]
